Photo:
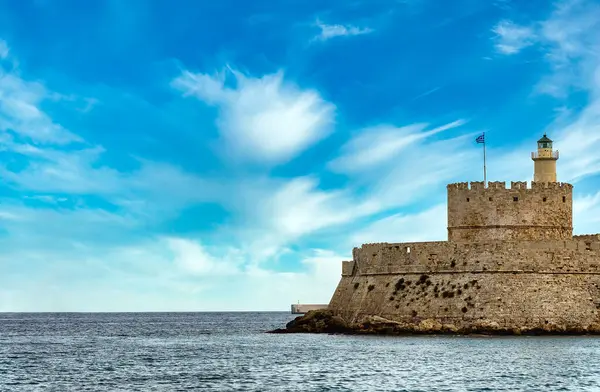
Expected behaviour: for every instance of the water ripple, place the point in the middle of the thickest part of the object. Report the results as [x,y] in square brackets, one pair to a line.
[230,352]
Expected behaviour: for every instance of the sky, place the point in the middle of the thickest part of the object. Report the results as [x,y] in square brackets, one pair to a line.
[228,155]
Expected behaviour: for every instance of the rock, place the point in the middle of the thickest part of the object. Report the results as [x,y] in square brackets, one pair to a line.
[552,327]
[451,328]
[378,320]
[377,325]
[430,326]
[325,321]
[315,321]
[517,331]
[487,327]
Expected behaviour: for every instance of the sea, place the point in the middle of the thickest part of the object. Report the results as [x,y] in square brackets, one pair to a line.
[232,352]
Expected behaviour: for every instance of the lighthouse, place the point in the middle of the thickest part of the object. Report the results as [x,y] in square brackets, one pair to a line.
[544,161]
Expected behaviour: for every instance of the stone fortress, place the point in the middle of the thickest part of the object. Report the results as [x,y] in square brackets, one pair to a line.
[511,264]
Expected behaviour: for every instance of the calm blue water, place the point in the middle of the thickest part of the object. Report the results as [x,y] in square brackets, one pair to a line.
[230,352]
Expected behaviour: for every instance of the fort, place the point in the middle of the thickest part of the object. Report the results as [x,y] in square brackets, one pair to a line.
[510,265]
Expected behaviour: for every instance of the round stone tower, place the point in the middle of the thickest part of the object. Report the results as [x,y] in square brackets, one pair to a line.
[544,161]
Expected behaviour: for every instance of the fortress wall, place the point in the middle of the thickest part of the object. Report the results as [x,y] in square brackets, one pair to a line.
[488,282]
[385,257]
[451,257]
[463,299]
[477,213]
[587,238]
[348,268]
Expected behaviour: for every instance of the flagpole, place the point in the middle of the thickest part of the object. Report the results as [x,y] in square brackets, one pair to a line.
[484,168]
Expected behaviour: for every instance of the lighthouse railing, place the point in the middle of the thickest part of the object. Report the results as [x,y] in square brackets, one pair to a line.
[553,154]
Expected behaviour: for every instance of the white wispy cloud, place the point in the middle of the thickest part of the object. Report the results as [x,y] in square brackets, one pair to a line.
[52,170]
[395,166]
[426,225]
[427,173]
[264,119]
[269,214]
[52,227]
[337,30]
[376,145]
[570,30]
[577,140]
[20,113]
[153,191]
[586,214]
[193,258]
[570,37]
[511,38]
[59,163]
[299,207]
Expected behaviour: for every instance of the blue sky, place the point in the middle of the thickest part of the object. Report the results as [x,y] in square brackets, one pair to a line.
[228,155]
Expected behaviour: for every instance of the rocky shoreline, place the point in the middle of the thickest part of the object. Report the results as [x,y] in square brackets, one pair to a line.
[324,321]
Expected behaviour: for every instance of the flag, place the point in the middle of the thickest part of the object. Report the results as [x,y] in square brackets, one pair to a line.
[480,139]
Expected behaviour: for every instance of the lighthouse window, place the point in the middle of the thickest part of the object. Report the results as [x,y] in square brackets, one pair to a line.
[490,199]
[468,200]
[564,199]
[544,199]
[515,198]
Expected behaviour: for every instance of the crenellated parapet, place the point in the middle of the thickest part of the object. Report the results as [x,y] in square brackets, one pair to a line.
[590,240]
[514,185]
[497,185]
[521,185]
[477,185]
[457,186]
[551,185]
[542,211]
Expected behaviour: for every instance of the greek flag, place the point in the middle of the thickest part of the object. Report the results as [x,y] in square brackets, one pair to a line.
[480,139]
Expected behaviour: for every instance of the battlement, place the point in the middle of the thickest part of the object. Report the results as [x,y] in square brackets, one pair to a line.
[541,211]
[587,238]
[501,185]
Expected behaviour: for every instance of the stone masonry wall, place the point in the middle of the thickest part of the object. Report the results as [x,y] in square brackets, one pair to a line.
[525,284]
[478,213]
[587,238]
[449,257]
